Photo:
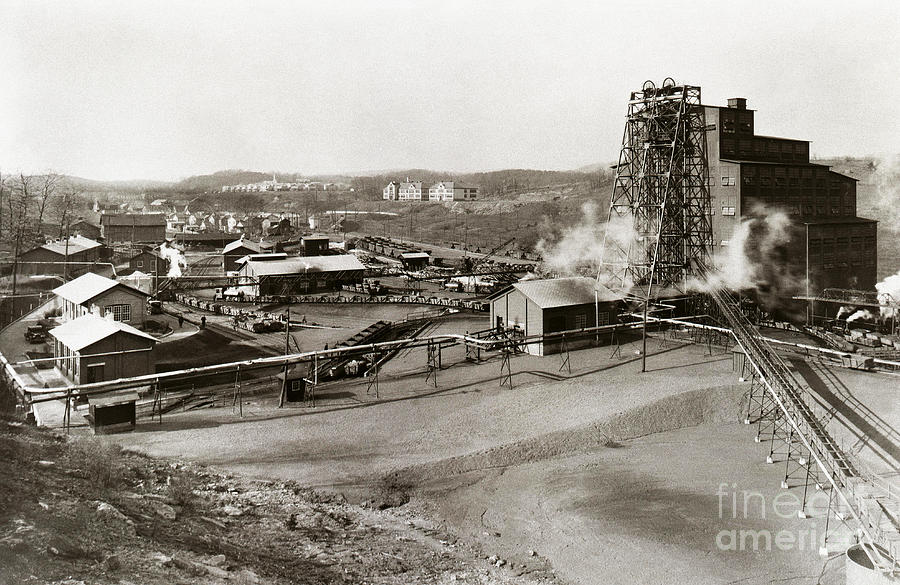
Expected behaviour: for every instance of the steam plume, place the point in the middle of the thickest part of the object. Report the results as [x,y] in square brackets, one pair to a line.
[844,311]
[175,258]
[579,249]
[889,294]
[887,185]
[757,260]
[862,314]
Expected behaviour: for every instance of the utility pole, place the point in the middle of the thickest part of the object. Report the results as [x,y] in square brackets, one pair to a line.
[287,350]
[66,264]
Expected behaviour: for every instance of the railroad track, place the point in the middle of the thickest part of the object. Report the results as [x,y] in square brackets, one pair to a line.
[790,411]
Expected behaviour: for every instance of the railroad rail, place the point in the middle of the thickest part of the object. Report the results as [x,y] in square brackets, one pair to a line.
[784,407]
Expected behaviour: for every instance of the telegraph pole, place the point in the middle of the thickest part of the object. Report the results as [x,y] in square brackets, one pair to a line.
[287,350]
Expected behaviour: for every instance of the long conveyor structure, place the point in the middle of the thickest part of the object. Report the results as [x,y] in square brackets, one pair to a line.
[785,414]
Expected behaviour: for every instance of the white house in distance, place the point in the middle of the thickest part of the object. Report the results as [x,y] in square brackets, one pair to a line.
[411,191]
[451,191]
[390,193]
[416,191]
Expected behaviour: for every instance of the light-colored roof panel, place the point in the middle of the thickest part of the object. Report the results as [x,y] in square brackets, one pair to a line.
[408,255]
[303,264]
[246,244]
[89,329]
[87,286]
[562,292]
[76,244]
[84,288]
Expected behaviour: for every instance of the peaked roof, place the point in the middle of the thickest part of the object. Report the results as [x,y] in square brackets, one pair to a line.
[89,329]
[247,244]
[76,244]
[562,292]
[88,286]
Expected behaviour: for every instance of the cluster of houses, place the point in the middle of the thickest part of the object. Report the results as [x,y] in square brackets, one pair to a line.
[275,185]
[162,217]
[226,222]
[419,191]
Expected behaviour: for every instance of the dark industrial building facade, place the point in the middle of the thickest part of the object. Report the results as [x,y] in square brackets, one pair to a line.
[149,262]
[70,257]
[236,250]
[147,228]
[750,173]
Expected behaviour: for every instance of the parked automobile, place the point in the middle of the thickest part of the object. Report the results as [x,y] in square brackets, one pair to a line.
[35,334]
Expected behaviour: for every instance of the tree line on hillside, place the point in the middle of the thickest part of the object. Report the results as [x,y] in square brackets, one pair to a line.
[492,183]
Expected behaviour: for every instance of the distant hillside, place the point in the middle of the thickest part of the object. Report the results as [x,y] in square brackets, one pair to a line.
[595,168]
[491,183]
[136,185]
[217,180]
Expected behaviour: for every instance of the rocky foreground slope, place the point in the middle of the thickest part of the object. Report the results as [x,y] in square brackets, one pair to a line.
[81,511]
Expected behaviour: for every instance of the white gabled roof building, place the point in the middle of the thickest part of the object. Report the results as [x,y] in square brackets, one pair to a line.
[89,290]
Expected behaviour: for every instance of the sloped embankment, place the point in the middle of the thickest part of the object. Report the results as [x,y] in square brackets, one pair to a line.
[692,408]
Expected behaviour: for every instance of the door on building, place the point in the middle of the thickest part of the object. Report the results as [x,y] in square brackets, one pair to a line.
[94,373]
[499,323]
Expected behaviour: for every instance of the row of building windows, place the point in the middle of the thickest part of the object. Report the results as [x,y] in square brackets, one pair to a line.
[765,149]
[120,312]
[581,320]
[829,262]
[804,171]
[855,242]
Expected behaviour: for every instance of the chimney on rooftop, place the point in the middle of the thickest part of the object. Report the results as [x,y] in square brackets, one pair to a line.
[737,103]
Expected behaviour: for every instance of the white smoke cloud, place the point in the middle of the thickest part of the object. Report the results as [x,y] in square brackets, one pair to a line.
[580,249]
[844,311]
[887,191]
[176,260]
[862,314]
[889,294]
[756,259]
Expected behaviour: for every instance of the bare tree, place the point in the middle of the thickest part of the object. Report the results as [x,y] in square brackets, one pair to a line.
[46,190]
[65,205]
[19,201]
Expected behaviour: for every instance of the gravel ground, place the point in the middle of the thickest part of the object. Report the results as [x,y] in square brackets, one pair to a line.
[415,423]
[645,511]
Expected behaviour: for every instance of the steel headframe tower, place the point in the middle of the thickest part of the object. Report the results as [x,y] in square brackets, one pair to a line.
[661,193]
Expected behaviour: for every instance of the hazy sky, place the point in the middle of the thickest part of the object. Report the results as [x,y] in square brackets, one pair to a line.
[117,90]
